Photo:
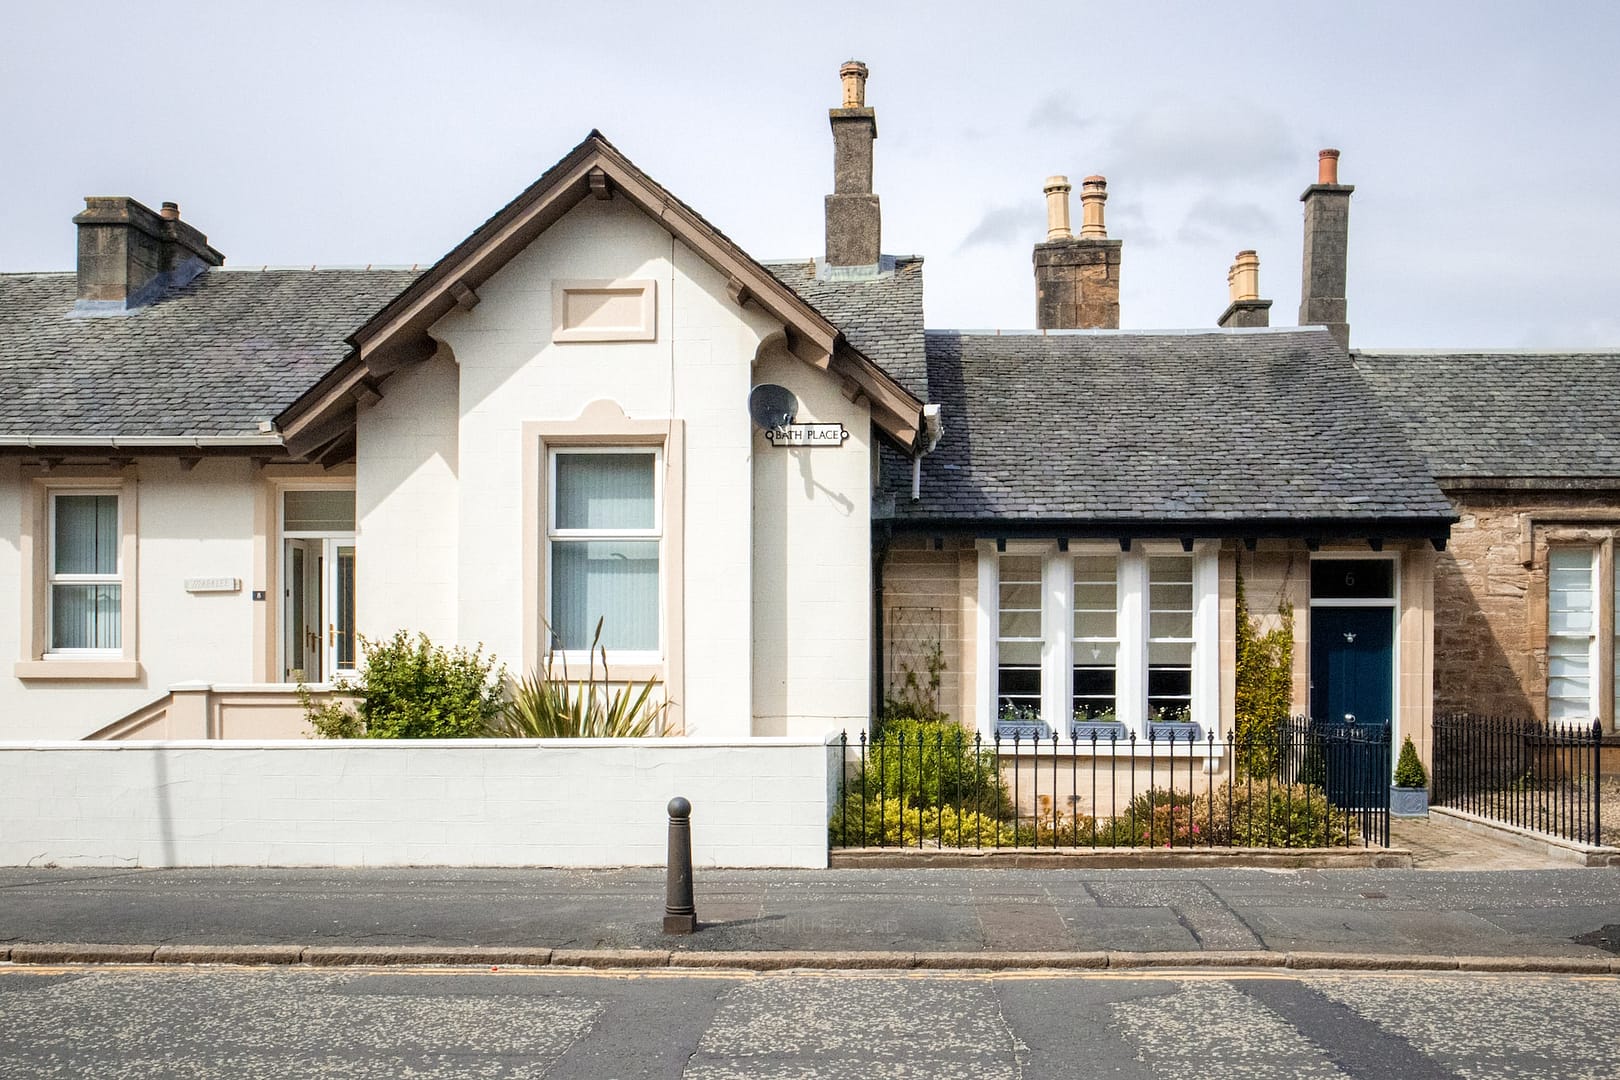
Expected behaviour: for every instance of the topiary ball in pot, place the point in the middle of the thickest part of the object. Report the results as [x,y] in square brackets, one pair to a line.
[1409,795]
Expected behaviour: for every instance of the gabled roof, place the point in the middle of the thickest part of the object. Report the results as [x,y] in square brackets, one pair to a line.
[1505,416]
[209,360]
[881,314]
[398,333]
[1220,429]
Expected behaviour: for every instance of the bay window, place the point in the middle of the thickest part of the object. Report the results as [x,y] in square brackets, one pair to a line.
[1087,637]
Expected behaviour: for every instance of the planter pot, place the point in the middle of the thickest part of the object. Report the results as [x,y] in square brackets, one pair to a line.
[1023,731]
[1180,731]
[1408,802]
[1108,732]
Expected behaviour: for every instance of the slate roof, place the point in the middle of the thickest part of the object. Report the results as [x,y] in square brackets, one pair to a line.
[1187,427]
[881,316]
[1504,415]
[212,357]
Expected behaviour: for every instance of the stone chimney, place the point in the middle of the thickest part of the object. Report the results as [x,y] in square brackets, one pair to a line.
[1076,278]
[1327,242]
[128,255]
[854,225]
[1244,307]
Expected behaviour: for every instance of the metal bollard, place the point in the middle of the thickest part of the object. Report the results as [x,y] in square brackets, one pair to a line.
[680,916]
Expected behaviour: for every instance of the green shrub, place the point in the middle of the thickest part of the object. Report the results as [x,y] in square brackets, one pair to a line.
[335,717]
[588,708]
[1281,816]
[409,688]
[1265,687]
[1409,771]
[932,762]
[887,822]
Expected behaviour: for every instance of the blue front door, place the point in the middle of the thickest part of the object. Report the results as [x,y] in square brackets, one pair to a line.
[1352,664]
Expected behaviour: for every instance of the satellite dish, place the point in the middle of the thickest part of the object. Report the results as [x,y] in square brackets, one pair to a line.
[772,406]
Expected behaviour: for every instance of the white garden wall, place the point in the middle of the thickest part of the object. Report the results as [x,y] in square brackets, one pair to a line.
[473,802]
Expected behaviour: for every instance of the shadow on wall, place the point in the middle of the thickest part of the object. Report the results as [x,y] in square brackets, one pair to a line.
[165,804]
[1473,671]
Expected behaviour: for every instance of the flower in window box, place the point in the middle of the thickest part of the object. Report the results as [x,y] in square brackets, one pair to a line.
[1020,722]
[1098,725]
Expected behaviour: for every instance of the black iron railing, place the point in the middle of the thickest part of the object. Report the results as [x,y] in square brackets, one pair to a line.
[1303,784]
[1541,777]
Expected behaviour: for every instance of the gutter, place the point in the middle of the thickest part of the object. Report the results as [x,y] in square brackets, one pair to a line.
[130,442]
[1435,529]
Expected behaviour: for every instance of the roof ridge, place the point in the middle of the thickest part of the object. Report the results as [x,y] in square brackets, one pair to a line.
[1212,331]
[1505,353]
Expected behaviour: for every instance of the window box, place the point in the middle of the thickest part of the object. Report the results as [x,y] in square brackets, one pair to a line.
[1179,730]
[1023,730]
[1082,729]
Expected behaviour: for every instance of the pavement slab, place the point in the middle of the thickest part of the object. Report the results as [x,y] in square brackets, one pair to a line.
[1536,913]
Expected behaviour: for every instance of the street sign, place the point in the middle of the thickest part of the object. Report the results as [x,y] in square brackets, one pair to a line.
[807,435]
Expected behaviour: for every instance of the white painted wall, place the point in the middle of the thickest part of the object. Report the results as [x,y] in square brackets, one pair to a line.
[777,615]
[192,524]
[407,505]
[697,370]
[431,803]
[812,605]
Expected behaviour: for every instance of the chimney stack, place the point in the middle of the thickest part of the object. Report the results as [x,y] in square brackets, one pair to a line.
[1244,307]
[854,224]
[1327,241]
[1077,278]
[128,255]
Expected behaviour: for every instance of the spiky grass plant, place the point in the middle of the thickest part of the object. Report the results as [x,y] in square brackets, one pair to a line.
[543,707]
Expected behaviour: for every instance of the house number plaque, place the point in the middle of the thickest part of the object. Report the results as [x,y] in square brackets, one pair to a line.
[807,435]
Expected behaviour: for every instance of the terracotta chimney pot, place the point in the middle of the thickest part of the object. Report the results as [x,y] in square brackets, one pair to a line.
[171,211]
[1327,167]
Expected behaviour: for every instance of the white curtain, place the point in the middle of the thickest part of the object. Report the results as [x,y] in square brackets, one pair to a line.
[605,492]
[614,579]
[86,615]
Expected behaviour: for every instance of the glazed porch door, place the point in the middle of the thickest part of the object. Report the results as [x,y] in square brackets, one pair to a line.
[320,642]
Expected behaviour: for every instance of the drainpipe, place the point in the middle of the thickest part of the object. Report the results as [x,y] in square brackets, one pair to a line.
[880,553]
[933,429]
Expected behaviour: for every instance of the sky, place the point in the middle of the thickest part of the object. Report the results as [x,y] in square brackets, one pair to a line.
[1483,138]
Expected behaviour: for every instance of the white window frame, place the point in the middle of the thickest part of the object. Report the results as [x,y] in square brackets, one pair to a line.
[1147,605]
[1044,584]
[53,578]
[553,534]
[1077,551]
[1130,681]
[1595,675]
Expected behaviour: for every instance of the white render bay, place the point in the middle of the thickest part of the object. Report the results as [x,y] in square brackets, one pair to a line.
[1084,632]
